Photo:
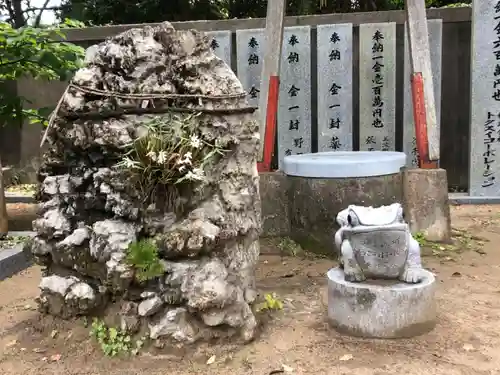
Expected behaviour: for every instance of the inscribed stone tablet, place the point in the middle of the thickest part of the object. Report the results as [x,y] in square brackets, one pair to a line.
[435,28]
[484,171]
[221,44]
[377,86]
[249,53]
[294,109]
[334,48]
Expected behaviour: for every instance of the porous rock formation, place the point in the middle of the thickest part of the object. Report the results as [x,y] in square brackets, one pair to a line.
[90,212]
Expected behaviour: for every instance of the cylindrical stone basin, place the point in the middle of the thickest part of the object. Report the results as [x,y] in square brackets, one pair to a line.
[381,309]
[321,185]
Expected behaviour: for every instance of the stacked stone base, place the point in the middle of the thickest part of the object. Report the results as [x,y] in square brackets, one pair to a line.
[194,300]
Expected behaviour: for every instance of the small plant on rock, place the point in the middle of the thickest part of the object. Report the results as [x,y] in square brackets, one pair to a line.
[169,152]
[143,257]
[271,303]
[420,238]
[111,340]
[290,247]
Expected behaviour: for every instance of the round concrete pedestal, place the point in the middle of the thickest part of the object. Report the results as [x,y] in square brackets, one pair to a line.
[321,185]
[382,309]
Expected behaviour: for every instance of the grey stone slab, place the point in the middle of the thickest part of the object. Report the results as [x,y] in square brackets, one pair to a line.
[344,164]
[458,199]
[250,46]
[19,198]
[335,66]
[377,86]
[14,260]
[435,27]
[484,174]
[221,44]
[294,109]
[22,233]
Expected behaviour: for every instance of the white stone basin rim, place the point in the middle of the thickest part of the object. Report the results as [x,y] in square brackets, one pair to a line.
[381,311]
[344,164]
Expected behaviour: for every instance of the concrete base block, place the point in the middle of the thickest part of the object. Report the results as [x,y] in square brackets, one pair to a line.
[14,260]
[426,204]
[381,309]
[274,204]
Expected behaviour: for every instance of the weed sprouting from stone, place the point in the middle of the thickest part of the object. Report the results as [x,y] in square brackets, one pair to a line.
[143,257]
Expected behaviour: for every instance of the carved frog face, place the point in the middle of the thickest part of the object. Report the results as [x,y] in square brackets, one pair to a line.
[370,216]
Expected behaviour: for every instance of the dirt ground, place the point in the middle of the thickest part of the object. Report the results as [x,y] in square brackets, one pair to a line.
[465,341]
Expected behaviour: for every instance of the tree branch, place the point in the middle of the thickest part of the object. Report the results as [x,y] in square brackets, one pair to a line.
[33,9]
[39,17]
[8,6]
[16,14]
[19,20]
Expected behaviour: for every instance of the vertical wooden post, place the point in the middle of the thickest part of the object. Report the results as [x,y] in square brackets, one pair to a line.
[424,105]
[4,222]
[268,104]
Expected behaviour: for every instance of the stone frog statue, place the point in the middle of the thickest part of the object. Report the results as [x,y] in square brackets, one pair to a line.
[376,243]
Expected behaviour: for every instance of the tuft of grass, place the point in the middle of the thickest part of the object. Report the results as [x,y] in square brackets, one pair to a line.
[143,257]
[420,238]
[171,151]
[461,241]
[271,303]
[290,247]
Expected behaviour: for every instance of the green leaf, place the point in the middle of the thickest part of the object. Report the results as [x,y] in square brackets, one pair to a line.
[50,60]
[113,334]
[45,111]
[34,52]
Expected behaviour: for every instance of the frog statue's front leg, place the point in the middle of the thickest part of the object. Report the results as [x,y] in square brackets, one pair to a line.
[352,270]
[412,272]
[338,238]
[342,222]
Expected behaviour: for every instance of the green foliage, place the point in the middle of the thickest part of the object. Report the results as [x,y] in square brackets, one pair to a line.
[143,257]
[9,242]
[420,238]
[170,152]
[271,303]
[457,5]
[111,340]
[40,53]
[102,12]
[461,241]
[290,247]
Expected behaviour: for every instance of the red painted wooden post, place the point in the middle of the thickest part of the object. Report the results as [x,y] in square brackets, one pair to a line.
[420,117]
[424,106]
[270,81]
[271,118]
